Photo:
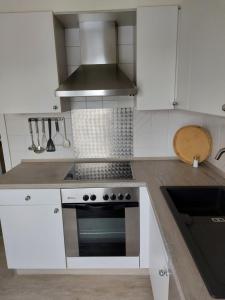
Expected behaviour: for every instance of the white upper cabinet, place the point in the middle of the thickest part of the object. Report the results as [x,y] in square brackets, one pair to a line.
[156,57]
[29,72]
[201,62]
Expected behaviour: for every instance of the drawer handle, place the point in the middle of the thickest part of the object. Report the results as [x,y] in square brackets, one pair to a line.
[163,272]
[56,210]
[175,104]
[28,197]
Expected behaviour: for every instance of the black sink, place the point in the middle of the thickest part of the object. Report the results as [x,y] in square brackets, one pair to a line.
[200,215]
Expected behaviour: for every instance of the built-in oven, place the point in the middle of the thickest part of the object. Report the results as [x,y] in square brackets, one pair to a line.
[101,222]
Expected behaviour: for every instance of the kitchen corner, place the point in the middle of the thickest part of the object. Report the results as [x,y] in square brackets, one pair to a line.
[112,142]
[150,174]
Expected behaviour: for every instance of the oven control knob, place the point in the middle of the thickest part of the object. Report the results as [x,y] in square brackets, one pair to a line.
[106,197]
[93,197]
[120,196]
[113,197]
[85,197]
[127,196]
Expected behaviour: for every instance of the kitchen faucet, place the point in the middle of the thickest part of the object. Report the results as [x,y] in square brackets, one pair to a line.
[220,153]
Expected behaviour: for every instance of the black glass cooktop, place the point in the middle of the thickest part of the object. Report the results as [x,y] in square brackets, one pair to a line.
[100,171]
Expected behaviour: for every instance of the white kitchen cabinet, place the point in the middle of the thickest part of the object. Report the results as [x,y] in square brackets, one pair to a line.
[144,227]
[156,57]
[201,59]
[158,261]
[31,64]
[33,234]
[157,256]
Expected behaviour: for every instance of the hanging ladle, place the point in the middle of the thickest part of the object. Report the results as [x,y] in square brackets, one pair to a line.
[38,149]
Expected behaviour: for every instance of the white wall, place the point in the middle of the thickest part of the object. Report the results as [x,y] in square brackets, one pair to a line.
[77,5]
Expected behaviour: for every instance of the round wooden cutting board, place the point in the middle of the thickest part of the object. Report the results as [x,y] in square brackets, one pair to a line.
[192,141]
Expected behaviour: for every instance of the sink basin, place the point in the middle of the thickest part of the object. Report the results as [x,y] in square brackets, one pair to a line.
[197,201]
[200,216]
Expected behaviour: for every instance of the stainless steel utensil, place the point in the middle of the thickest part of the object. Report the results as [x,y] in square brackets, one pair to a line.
[33,146]
[38,149]
[66,143]
[44,138]
[50,144]
[58,137]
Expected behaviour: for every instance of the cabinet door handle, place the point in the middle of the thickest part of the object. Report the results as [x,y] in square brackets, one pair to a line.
[163,272]
[56,210]
[28,197]
[175,103]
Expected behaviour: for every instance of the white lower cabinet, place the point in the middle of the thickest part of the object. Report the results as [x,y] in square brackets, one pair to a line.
[33,234]
[158,261]
[157,256]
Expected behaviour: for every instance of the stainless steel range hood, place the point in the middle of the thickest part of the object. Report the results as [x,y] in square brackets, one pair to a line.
[99,74]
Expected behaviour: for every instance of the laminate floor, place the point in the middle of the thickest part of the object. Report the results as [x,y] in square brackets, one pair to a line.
[71,287]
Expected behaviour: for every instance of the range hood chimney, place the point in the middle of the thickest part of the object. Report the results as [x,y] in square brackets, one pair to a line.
[99,74]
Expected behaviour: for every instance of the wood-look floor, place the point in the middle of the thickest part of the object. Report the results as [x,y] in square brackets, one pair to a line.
[71,287]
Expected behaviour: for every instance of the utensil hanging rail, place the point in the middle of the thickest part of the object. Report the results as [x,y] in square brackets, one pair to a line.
[46,119]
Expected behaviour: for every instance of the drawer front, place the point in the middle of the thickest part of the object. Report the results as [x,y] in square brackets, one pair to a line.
[30,197]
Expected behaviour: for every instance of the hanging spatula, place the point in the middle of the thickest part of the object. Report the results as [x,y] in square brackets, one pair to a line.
[50,145]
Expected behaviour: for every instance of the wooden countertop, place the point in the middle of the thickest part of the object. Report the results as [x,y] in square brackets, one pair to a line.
[150,173]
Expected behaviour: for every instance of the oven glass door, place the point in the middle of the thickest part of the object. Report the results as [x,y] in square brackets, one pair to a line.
[104,229]
[101,230]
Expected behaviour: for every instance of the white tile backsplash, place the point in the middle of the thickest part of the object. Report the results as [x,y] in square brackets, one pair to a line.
[72,37]
[126,35]
[126,54]
[73,56]
[153,128]
[153,131]
[92,104]
[79,104]
[216,126]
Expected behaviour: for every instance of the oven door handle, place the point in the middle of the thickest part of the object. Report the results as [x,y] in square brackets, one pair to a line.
[105,207]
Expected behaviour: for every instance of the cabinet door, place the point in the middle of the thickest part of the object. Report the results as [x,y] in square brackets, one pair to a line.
[156,57]
[28,73]
[33,236]
[144,227]
[201,62]
[158,261]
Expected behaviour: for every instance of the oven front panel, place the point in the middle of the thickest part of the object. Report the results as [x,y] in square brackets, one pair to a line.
[99,195]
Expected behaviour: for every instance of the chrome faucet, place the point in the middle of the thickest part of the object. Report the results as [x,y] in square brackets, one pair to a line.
[220,153]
